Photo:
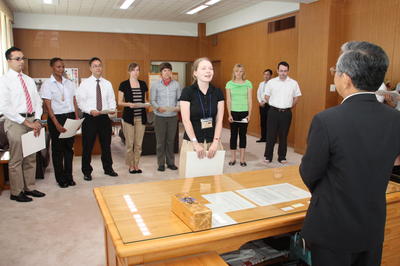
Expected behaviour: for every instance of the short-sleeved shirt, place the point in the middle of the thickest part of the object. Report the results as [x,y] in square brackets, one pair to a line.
[61,94]
[202,106]
[282,92]
[239,95]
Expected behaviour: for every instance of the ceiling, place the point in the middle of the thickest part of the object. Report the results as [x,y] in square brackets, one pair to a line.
[161,10]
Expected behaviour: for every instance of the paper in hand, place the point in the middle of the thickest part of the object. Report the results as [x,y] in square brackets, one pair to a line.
[32,144]
[72,127]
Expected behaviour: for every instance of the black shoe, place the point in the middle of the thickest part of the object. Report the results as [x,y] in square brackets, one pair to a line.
[71,183]
[21,197]
[261,140]
[63,185]
[243,164]
[133,171]
[139,171]
[110,173]
[87,177]
[172,167]
[161,168]
[35,193]
[232,163]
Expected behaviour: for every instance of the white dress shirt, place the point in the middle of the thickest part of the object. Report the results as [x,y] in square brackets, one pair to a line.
[12,97]
[261,92]
[282,92]
[86,95]
[61,94]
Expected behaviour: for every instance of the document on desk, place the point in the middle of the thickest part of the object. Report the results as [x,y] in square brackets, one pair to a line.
[219,219]
[227,202]
[274,194]
[32,144]
[72,126]
[203,167]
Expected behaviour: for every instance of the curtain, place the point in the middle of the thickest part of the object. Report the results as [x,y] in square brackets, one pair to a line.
[6,38]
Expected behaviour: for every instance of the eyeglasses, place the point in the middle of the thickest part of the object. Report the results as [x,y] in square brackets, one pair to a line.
[333,70]
[18,58]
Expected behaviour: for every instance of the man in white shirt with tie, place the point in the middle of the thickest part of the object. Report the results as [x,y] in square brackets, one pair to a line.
[21,105]
[282,93]
[96,94]
[264,106]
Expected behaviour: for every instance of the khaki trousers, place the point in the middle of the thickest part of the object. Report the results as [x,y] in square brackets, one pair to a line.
[21,170]
[188,146]
[133,140]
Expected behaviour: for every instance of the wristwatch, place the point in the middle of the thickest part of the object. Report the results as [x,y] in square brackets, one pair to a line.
[193,140]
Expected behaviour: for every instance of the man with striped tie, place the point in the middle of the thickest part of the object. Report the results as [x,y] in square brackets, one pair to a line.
[21,105]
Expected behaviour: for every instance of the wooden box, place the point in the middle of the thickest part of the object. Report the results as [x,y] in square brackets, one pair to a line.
[194,214]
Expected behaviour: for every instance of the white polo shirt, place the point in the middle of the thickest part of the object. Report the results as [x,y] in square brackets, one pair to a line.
[282,92]
[61,94]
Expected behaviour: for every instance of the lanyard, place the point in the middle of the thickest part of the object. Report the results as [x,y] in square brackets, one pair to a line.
[202,107]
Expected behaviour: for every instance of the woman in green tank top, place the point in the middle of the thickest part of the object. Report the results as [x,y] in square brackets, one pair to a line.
[238,101]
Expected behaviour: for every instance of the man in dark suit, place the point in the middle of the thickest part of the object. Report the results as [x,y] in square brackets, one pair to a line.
[351,151]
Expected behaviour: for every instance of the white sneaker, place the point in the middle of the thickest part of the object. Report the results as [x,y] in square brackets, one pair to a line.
[267,161]
[283,162]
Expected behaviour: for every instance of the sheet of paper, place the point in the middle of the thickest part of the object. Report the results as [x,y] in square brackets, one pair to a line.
[32,144]
[274,194]
[72,126]
[169,108]
[142,105]
[109,111]
[244,120]
[221,219]
[203,167]
[227,201]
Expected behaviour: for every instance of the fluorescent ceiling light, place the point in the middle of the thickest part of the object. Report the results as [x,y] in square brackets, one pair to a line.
[49,2]
[197,9]
[126,4]
[211,2]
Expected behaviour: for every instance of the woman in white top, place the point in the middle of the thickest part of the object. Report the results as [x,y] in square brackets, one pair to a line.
[58,94]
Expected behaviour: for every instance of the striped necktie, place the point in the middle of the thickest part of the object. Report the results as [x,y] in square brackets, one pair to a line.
[29,107]
[99,104]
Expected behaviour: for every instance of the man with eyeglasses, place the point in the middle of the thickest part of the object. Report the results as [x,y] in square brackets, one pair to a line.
[21,105]
[351,150]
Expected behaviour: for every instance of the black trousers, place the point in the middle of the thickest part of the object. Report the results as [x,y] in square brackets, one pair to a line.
[263,120]
[238,128]
[91,127]
[321,256]
[278,125]
[62,152]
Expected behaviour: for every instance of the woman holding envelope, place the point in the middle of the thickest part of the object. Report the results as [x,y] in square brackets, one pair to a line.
[238,103]
[132,95]
[202,109]
[58,94]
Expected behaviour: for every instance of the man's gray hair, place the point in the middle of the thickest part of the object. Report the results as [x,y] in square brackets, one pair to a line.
[365,63]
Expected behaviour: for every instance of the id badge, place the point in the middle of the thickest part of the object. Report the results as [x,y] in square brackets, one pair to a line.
[206,122]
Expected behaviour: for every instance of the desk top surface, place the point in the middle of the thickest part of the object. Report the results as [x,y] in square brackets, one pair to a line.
[143,211]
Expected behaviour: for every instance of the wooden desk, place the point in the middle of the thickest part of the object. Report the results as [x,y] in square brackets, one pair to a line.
[4,158]
[165,236]
[78,146]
